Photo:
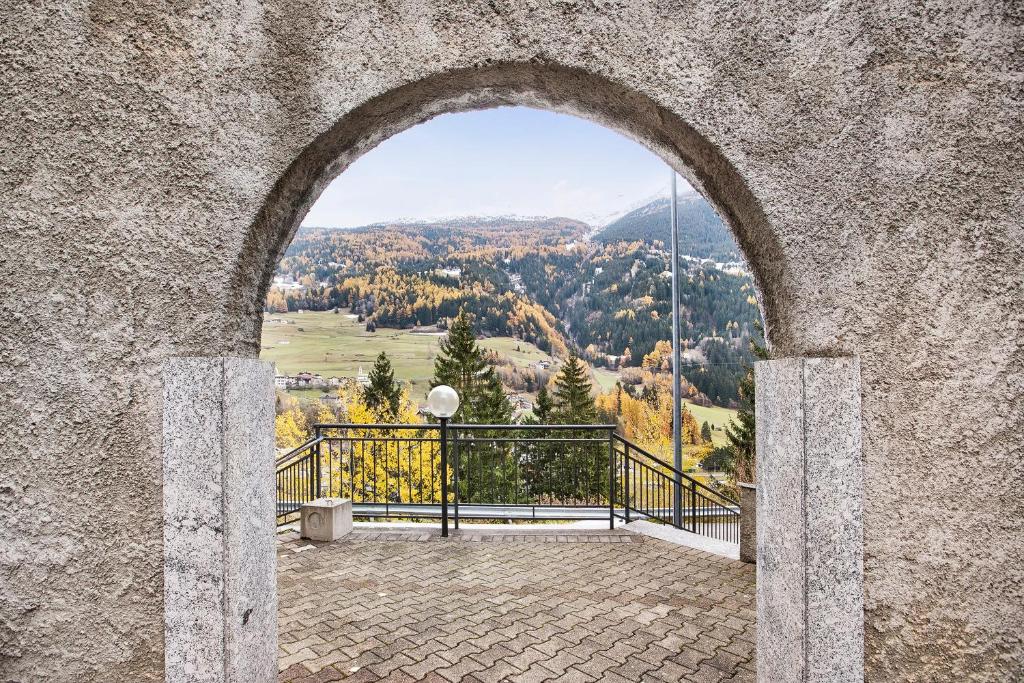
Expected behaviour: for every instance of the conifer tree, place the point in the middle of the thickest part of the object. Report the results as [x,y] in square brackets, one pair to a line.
[705,431]
[741,434]
[542,409]
[494,405]
[461,365]
[383,395]
[573,404]
[573,401]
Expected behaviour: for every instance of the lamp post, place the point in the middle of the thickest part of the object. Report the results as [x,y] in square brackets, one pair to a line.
[442,402]
[677,416]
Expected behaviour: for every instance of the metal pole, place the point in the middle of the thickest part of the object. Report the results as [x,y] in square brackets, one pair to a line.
[458,464]
[611,480]
[444,477]
[318,483]
[677,442]
[625,465]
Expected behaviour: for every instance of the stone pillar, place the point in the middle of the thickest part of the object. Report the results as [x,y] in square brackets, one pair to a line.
[220,596]
[810,571]
[748,522]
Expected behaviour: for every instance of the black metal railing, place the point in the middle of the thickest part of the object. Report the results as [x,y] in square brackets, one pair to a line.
[644,486]
[298,479]
[542,472]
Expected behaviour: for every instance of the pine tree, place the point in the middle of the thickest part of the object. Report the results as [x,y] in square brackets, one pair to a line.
[383,395]
[543,407]
[742,435]
[705,431]
[461,365]
[650,394]
[573,404]
[494,405]
[573,401]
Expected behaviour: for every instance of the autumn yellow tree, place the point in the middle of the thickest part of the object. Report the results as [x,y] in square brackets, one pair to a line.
[375,465]
[290,429]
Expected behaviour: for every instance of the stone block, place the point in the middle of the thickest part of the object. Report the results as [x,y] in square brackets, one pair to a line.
[220,597]
[748,522]
[326,519]
[810,595]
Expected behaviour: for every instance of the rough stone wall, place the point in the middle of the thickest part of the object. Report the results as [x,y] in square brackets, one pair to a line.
[156,156]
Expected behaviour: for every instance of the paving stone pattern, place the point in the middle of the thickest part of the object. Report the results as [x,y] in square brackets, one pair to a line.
[494,606]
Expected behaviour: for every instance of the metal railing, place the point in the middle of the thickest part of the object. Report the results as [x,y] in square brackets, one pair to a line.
[644,486]
[540,472]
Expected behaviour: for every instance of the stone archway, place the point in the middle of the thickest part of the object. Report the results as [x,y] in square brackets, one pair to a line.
[882,146]
[540,85]
[615,106]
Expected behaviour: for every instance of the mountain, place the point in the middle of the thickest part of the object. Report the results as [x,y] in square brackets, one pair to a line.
[538,280]
[701,232]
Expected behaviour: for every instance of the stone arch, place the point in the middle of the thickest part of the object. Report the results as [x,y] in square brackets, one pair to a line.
[537,84]
[789,391]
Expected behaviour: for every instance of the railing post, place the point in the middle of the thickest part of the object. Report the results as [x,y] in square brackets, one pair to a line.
[693,506]
[611,480]
[316,467]
[455,440]
[625,464]
[444,477]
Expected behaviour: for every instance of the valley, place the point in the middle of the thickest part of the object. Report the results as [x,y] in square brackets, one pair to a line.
[544,284]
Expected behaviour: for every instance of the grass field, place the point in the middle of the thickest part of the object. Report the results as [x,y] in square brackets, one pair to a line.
[605,378]
[715,416]
[335,344]
[521,353]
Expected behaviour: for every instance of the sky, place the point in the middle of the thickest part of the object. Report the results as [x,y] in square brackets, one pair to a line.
[496,162]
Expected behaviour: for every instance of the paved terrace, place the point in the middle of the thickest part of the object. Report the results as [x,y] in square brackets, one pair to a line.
[406,605]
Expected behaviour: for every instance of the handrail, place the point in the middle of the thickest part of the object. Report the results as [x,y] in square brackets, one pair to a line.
[673,470]
[381,425]
[477,427]
[463,427]
[284,459]
[394,470]
[528,427]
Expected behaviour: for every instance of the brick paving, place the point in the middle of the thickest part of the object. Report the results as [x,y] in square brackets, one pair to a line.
[524,606]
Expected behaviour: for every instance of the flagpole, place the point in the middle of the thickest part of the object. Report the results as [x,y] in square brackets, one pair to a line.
[677,412]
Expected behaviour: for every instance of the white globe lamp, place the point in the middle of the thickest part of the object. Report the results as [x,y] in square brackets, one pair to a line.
[442,401]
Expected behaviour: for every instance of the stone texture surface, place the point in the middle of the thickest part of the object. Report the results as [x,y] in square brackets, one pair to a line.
[219,563]
[157,159]
[780,514]
[834,520]
[589,605]
[326,519]
[748,522]
[810,518]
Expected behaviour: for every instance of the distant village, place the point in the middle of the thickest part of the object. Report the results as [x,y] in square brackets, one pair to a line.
[307,380]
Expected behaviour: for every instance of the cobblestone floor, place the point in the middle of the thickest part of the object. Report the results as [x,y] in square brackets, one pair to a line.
[533,606]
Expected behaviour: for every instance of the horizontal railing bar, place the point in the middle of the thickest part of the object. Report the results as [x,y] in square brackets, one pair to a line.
[384,425]
[477,427]
[383,439]
[530,427]
[672,469]
[312,442]
[513,439]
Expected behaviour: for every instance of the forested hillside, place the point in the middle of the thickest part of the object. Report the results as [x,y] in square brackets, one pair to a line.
[701,232]
[539,280]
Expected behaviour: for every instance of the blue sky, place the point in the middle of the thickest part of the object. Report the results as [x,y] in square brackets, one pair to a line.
[510,160]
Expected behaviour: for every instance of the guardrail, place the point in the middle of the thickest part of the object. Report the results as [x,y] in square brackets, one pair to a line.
[549,472]
[645,487]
